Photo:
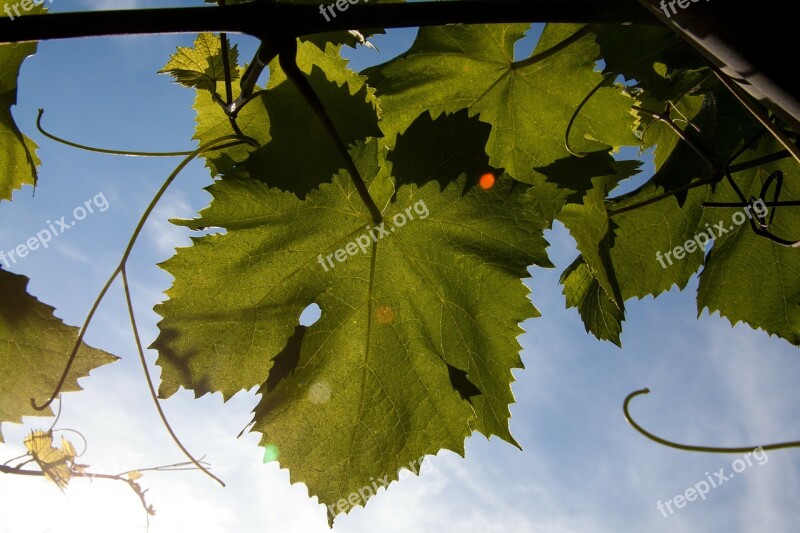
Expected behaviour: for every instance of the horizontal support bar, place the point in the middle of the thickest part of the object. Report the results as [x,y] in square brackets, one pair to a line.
[268,20]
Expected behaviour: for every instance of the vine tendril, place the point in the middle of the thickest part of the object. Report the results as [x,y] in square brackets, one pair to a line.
[604,81]
[87,148]
[204,148]
[695,448]
[153,394]
[120,270]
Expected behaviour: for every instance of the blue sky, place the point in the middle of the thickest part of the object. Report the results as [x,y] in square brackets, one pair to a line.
[582,469]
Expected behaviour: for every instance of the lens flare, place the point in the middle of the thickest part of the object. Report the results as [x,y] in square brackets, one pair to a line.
[271,453]
[487,181]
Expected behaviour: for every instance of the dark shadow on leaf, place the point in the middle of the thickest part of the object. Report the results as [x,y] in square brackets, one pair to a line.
[462,384]
[286,361]
[181,361]
[300,154]
[442,150]
[576,173]
[17,305]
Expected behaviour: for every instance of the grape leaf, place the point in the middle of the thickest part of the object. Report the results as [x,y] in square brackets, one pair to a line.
[589,224]
[642,239]
[749,278]
[601,315]
[34,345]
[202,67]
[54,462]
[416,340]
[528,103]
[19,161]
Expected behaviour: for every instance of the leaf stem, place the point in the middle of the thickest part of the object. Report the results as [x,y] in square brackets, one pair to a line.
[295,75]
[757,112]
[663,196]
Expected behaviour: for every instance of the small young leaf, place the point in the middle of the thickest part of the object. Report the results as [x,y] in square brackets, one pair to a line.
[53,462]
[202,67]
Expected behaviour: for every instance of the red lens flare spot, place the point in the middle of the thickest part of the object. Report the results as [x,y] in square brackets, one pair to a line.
[487,181]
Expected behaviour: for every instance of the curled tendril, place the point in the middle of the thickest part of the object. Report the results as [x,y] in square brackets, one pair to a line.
[102,150]
[696,448]
[120,270]
[606,81]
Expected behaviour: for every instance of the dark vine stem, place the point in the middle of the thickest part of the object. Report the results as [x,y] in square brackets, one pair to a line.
[287,59]
[226,67]
[102,150]
[694,448]
[223,38]
[604,81]
[717,169]
[153,394]
[541,56]
[663,196]
[262,19]
[757,112]
[121,267]
[754,163]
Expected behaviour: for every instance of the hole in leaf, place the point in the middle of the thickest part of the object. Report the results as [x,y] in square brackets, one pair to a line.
[310,315]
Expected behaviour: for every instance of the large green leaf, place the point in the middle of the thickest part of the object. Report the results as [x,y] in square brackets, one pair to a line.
[747,277]
[416,340]
[528,103]
[34,347]
[18,163]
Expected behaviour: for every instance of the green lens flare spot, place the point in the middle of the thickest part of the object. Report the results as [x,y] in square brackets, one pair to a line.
[271,453]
